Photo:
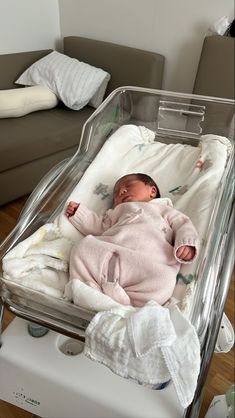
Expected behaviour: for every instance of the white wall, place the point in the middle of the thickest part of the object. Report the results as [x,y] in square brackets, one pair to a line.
[174,28]
[28,25]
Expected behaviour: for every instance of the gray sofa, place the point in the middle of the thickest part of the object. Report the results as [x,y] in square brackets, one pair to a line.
[32,144]
[215,73]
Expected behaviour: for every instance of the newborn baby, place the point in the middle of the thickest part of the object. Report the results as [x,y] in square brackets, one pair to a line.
[133,252]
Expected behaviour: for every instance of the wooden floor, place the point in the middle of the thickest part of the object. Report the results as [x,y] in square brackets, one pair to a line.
[221,374]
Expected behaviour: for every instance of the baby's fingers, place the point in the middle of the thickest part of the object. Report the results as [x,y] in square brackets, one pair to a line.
[180,252]
[73,204]
[187,256]
[185,253]
[71,208]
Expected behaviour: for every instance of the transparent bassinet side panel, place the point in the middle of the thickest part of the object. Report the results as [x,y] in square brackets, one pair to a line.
[174,117]
[177,115]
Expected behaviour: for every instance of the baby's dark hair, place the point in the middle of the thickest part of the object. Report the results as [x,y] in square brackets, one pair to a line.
[147,180]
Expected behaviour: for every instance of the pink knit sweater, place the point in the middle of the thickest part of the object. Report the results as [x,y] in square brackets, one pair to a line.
[130,252]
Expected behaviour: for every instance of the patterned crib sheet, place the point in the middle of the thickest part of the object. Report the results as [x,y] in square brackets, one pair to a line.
[188,175]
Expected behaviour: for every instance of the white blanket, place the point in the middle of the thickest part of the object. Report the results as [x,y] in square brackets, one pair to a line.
[40,261]
[150,345]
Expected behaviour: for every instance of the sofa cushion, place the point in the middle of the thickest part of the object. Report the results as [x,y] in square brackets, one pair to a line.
[74,82]
[127,66]
[57,129]
[20,102]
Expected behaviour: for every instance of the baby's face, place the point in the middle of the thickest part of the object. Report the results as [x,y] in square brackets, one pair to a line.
[130,189]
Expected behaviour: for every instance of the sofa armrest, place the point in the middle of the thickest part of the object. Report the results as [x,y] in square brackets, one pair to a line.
[215,74]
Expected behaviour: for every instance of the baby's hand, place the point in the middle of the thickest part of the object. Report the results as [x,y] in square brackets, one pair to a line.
[186,253]
[71,209]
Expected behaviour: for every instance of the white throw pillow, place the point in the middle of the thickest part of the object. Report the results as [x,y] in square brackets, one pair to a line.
[19,102]
[97,99]
[74,82]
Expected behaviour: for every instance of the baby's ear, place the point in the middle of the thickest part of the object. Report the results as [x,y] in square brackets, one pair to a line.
[153,193]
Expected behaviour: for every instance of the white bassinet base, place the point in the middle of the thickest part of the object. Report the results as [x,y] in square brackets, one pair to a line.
[87,389]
